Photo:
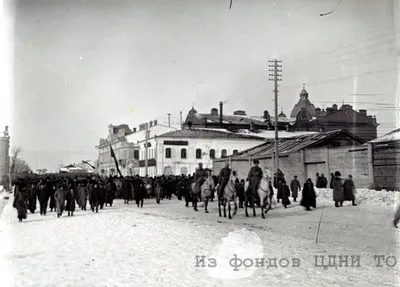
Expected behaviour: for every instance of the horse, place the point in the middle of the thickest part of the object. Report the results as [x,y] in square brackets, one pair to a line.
[263,192]
[228,195]
[205,192]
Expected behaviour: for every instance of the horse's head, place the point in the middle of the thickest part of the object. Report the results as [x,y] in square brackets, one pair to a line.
[233,177]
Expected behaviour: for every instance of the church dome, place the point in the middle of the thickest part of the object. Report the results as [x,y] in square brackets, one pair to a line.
[282,115]
[303,102]
[192,111]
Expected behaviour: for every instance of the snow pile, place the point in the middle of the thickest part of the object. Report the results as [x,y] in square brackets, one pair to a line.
[241,244]
[363,196]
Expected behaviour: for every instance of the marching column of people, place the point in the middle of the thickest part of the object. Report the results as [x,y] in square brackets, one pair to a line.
[63,193]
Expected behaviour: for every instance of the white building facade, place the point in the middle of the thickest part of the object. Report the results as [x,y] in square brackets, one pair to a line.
[181,151]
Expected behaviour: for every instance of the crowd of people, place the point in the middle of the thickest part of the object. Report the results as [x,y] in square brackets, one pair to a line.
[62,192]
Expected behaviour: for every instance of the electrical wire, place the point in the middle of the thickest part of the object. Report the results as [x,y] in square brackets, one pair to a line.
[325,14]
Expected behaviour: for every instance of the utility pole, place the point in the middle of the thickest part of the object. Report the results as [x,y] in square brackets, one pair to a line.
[276,77]
[146,164]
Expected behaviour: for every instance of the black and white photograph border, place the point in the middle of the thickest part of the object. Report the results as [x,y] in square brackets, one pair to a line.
[199,143]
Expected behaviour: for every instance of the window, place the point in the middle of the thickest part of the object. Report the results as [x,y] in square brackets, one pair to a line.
[235,151]
[212,153]
[198,153]
[183,153]
[223,153]
[136,154]
[167,153]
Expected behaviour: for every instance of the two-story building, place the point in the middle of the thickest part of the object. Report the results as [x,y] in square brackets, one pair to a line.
[138,139]
[124,152]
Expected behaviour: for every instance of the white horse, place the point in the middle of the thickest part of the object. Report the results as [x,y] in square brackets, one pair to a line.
[264,193]
[206,190]
[228,195]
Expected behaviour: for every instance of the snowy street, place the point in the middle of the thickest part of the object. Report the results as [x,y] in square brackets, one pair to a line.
[156,246]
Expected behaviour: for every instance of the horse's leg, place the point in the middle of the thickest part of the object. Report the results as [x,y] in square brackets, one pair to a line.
[234,202]
[225,202]
[206,204]
[219,207]
[246,202]
[229,209]
[253,205]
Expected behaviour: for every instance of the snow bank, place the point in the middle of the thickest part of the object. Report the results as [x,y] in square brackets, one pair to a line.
[363,196]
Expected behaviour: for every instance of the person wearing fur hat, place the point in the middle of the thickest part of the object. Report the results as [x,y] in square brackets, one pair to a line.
[337,186]
[20,200]
[255,175]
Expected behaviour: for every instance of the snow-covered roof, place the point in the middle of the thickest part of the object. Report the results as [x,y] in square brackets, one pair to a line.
[392,136]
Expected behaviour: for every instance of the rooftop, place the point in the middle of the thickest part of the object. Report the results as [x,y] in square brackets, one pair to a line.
[392,136]
[208,134]
[291,145]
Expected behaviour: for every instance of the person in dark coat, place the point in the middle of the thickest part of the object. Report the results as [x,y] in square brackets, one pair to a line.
[199,178]
[70,207]
[285,191]
[337,186]
[44,193]
[318,179]
[241,193]
[102,199]
[223,179]
[139,191]
[20,200]
[32,198]
[95,197]
[331,182]
[255,175]
[278,180]
[111,189]
[348,189]
[82,195]
[308,198]
[59,196]
[324,181]
[52,199]
[125,190]
[295,187]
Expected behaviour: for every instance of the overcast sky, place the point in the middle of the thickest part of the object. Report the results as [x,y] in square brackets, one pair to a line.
[81,65]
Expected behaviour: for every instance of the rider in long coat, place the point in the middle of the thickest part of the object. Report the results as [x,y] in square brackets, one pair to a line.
[223,179]
[199,178]
[255,175]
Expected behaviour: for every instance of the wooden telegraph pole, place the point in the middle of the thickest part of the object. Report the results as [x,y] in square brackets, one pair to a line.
[276,77]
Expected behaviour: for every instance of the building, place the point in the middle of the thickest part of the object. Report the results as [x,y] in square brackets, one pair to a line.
[385,161]
[306,117]
[179,152]
[4,157]
[305,155]
[238,121]
[138,139]
[124,151]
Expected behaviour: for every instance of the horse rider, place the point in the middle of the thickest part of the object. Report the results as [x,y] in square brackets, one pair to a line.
[255,176]
[199,178]
[223,179]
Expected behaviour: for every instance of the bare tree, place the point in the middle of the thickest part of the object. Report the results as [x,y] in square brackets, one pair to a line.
[18,166]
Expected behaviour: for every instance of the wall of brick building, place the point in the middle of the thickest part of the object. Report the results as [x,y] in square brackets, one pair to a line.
[386,163]
[352,161]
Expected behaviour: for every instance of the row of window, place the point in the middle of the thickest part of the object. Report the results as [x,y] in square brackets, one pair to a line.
[224,153]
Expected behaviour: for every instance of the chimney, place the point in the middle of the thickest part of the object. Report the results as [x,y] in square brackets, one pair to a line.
[169,120]
[214,112]
[329,111]
[251,126]
[363,112]
[151,123]
[220,113]
[134,130]
[155,122]
[239,113]
[181,119]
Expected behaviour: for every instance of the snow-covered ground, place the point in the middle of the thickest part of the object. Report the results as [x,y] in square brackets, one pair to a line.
[157,246]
